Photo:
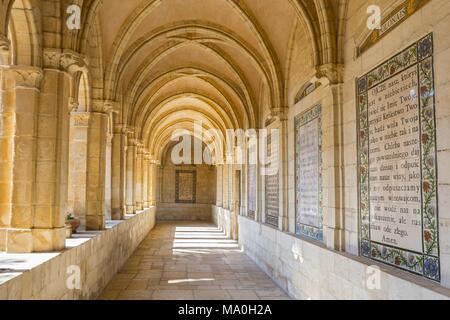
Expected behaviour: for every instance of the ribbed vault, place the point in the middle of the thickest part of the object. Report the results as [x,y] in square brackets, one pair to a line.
[229,70]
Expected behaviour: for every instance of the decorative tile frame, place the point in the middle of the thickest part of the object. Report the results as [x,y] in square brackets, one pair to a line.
[426,263]
[314,232]
[193,173]
[395,18]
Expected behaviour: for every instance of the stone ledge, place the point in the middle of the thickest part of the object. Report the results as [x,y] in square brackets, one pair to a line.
[307,270]
[99,254]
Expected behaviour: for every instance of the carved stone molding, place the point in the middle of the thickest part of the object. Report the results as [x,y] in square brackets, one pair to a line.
[120,129]
[139,145]
[80,119]
[132,142]
[25,76]
[66,61]
[155,162]
[130,134]
[73,105]
[103,106]
[333,72]
[4,43]
[280,114]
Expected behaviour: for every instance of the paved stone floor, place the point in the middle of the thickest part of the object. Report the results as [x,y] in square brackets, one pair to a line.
[190,261]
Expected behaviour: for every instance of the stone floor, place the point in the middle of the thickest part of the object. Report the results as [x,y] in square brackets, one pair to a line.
[190,261]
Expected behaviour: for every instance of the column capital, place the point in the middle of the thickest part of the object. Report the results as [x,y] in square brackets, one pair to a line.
[4,49]
[25,76]
[103,106]
[65,60]
[4,42]
[132,142]
[334,73]
[139,146]
[80,119]
[155,162]
[120,129]
[277,114]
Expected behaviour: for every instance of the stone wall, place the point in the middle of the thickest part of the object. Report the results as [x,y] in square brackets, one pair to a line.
[168,208]
[99,255]
[432,18]
[183,211]
[309,271]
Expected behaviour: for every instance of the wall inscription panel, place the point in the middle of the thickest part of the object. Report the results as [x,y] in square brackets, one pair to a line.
[185,186]
[397,162]
[308,174]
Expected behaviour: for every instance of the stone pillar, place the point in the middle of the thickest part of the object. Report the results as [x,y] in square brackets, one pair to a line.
[18,122]
[108,174]
[139,205]
[118,179]
[219,196]
[78,166]
[146,180]
[131,157]
[51,188]
[153,181]
[225,185]
[96,164]
[284,173]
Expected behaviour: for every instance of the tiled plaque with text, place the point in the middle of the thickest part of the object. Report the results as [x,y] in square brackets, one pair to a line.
[308,174]
[397,162]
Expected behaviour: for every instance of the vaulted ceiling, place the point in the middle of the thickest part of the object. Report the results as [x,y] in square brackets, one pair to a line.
[229,63]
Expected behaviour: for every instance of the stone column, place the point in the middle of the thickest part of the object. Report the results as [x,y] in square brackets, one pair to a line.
[96,164]
[78,166]
[51,188]
[119,158]
[284,173]
[146,179]
[153,181]
[18,122]
[219,196]
[131,157]
[225,184]
[108,173]
[138,177]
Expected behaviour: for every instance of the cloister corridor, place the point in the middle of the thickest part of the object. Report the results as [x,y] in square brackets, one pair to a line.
[190,261]
[224,149]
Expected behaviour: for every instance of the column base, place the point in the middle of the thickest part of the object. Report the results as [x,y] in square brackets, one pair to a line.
[130,209]
[32,240]
[117,214]
[95,223]
[139,206]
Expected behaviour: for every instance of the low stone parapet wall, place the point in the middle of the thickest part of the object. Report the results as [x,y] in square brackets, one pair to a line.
[82,270]
[306,270]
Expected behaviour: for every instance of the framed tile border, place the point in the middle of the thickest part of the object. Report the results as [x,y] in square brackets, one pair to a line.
[427,262]
[310,231]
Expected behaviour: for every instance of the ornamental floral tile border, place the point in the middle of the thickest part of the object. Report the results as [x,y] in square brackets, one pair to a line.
[426,263]
[316,233]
